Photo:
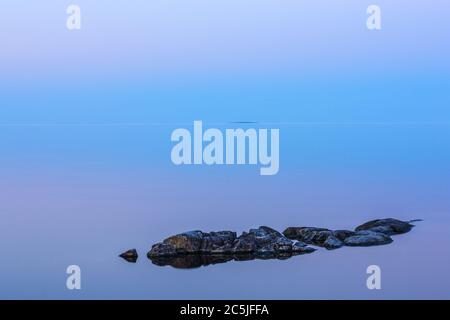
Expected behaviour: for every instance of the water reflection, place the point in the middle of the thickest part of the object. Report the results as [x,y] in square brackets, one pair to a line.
[191,261]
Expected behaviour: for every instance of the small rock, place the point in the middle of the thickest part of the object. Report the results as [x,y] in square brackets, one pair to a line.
[130,255]
[365,238]
[387,226]
[332,242]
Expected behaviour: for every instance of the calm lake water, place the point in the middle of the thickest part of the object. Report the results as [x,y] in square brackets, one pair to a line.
[83,194]
[86,117]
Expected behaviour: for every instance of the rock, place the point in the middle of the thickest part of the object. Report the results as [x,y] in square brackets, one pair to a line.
[244,245]
[309,235]
[318,236]
[332,242]
[196,248]
[261,241]
[301,247]
[161,250]
[266,240]
[387,226]
[195,242]
[130,255]
[218,242]
[375,232]
[188,242]
[343,234]
[365,238]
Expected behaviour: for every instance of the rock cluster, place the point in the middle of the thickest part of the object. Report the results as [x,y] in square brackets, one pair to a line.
[372,233]
[261,241]
[196,248]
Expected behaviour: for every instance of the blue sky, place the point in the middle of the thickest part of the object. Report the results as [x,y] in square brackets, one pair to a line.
[178,61]
[190,38]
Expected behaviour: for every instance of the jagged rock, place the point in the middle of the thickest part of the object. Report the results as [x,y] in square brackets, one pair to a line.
[365,238]
[244,246]
[195,242]
[387,226]
[261,241]
[266,240]
[217,242]
[130,255]
[317,236]
[309,235]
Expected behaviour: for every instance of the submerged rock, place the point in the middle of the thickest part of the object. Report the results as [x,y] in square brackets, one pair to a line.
[387,226]
[130,255]
[261,241]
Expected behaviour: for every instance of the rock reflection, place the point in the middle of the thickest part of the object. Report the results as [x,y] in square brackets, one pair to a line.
[192,261]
